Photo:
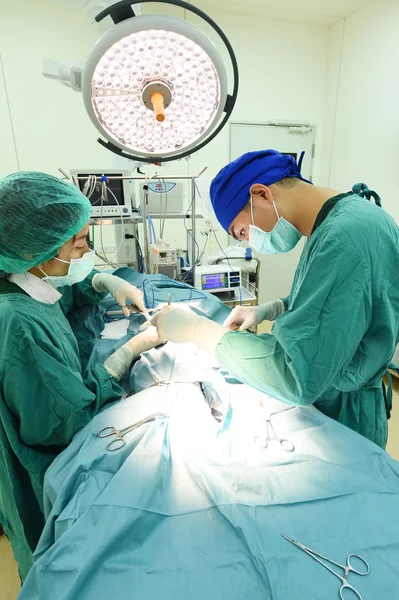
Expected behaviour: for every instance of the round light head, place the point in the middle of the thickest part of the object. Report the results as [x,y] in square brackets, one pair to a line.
[167,56]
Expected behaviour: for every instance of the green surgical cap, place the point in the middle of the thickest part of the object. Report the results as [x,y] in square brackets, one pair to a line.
[38,214]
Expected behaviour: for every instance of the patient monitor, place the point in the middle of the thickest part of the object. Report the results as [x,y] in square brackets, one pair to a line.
[116,200]
[217,278]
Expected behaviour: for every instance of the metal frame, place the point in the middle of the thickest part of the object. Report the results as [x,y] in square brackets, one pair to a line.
[144,213]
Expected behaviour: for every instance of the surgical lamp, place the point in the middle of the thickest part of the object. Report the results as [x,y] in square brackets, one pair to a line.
[156,86]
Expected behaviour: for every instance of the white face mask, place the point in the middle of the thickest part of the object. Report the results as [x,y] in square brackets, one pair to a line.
[282,238]
[79,269]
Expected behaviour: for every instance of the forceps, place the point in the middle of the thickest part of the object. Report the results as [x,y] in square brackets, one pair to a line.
[270,436]
[133,311]
[348,568]
[118,442]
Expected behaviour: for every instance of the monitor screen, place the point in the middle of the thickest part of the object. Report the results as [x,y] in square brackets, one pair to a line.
[115,185]
[214,281]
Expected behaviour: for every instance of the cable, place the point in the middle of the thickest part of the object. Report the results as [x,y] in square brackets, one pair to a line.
[192,290]
[110,318]
[101,224]
[150,228]
[104,190]
[160,212]
[166,207]
[104,259]
[204,248]
[187,230]
[219,260]
[148,221]
[90,187]
[193,258]
[252,286]
[88,190]
[145,283]
[140,261]
[122,236]
[153,236]
[228,262]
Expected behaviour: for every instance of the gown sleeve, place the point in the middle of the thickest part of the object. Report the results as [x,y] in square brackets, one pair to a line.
[49,399]
[81,293]
[285,301]
[316,339]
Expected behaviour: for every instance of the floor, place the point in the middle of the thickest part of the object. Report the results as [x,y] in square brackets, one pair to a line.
[9,580]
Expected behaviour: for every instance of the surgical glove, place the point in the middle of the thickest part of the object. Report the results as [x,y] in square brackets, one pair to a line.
[181,326]
[245,317]
[121,290]
[121,360]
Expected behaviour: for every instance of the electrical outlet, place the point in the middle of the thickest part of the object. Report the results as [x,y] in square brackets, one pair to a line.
[109,249]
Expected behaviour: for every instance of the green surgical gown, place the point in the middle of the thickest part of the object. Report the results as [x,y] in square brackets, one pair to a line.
[337,337]
[44,400]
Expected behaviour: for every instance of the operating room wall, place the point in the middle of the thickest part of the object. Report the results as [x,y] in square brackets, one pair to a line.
[366,132]
[287,72]
[284,70]
[49,122]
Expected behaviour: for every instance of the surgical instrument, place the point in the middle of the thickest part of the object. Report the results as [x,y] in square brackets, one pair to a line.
[348,568]
[270,436]
[133,311]
[118,442]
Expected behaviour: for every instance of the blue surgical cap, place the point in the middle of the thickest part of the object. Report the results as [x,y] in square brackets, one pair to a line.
[230,189]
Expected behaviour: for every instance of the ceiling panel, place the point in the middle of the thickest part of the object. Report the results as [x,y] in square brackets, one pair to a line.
[317,12]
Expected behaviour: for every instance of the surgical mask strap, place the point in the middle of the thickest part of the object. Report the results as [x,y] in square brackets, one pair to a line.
[67,262]
[275,208]
[252,211]
[41,271]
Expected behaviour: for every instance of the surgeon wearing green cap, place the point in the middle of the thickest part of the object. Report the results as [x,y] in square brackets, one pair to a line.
[334,336]
[47,269]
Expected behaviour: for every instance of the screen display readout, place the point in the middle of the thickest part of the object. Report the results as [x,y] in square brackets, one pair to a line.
[214,281]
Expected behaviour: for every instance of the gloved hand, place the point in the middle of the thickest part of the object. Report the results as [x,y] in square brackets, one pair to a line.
[181,325]
[120,361]
[244,317]
[175,324]
[121,290]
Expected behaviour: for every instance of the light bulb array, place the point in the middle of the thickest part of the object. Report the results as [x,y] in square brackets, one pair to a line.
[155,55]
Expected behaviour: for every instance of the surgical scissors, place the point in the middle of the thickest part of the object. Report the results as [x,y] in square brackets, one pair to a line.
[118,442]
[348,568]
[263,442]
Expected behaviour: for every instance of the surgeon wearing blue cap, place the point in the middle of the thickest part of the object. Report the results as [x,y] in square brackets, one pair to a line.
[335,334]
